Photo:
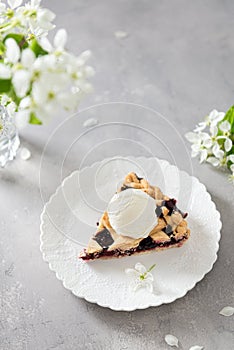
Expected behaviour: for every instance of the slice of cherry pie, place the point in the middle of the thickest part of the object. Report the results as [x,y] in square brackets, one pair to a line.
[170,231]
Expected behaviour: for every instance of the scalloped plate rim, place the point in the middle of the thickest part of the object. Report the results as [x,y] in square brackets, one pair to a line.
[218,217]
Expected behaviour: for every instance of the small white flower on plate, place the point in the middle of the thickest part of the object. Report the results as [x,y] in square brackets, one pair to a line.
[171,340]
[143,277]
[227,311]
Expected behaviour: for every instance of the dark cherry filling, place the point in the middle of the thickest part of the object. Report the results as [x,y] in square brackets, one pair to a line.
[170,204]
[104,238]
[146,244]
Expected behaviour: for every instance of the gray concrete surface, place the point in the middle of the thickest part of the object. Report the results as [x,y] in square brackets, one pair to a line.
[178,60]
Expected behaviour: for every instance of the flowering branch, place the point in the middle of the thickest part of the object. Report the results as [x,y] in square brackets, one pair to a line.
[217,145]
[37,78]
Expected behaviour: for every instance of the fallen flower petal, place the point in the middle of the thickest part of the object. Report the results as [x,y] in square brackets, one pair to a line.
[119,34]
[171,340]
[25,154]
[227,311]
[90,122]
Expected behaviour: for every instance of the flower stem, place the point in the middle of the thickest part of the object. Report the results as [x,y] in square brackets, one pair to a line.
[151,268]
[142,277]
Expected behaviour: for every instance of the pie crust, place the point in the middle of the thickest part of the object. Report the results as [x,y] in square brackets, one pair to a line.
[170,231]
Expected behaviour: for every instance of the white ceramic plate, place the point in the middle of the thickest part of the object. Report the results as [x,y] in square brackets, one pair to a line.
[70,216]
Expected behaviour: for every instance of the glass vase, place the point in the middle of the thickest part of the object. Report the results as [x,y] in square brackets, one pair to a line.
[9,139]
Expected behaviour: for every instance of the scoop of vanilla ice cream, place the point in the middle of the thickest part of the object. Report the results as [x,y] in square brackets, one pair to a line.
[132,213]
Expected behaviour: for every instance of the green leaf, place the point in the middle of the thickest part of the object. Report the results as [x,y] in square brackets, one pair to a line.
[34,120]
[19,38]
[12,94]
[229,163]
[2,48]
[37,49]
[229,116]
[5,85]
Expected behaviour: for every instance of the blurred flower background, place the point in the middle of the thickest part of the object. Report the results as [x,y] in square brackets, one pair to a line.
[37,77]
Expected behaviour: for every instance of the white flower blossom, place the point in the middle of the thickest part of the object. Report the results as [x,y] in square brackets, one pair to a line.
[44,43]
[60,39]
[219,156]
[201,144]
[44,19]
[228,144]
[14,3]
[225,127]
[143,278]
[2,8]
[5,71]
[214,146]
[231,158]
[27,58]
[33,5]
[12,51]
[21,82]
[11,108]
[212,119]
[29,18]
[22,118]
